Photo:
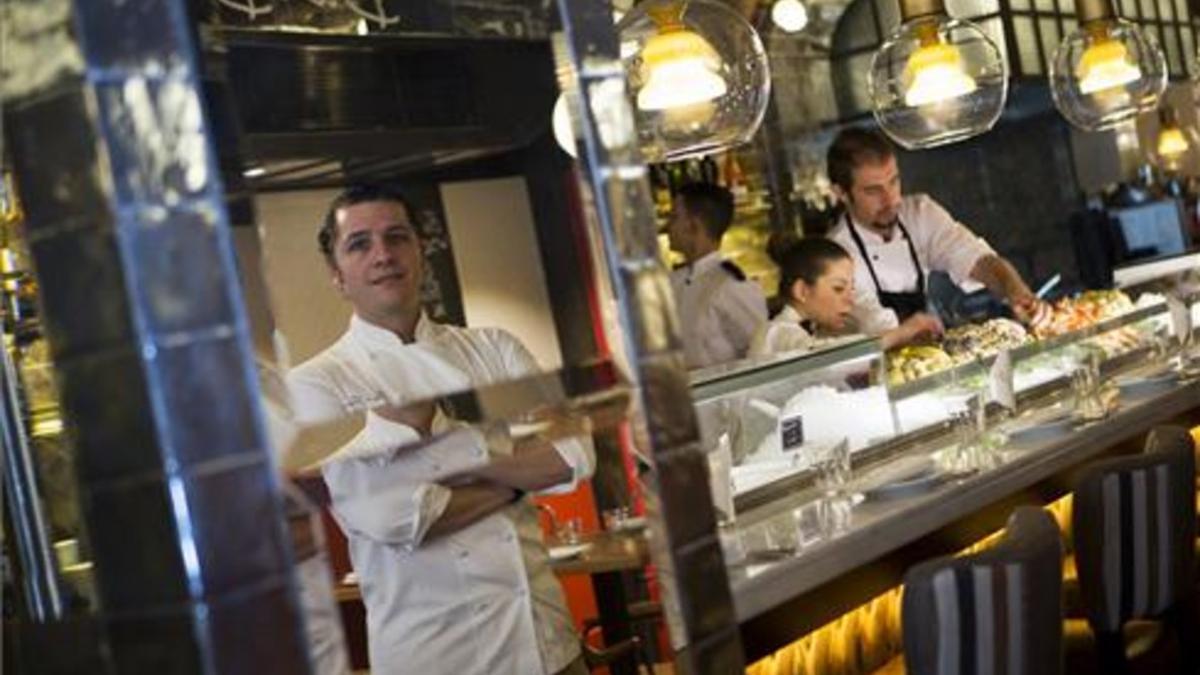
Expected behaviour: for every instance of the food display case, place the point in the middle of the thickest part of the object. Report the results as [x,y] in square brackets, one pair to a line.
[763,420]
[941,439]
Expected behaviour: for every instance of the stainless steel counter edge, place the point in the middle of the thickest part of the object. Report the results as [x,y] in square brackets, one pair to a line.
[913,518]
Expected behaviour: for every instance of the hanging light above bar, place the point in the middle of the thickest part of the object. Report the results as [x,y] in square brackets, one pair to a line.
[1107,71]
[698,75]
[937,79]
[1174,140]
[790,16]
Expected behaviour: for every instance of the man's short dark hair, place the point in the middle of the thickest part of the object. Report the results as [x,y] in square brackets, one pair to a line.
[853,147]
[712,204]
[358,193]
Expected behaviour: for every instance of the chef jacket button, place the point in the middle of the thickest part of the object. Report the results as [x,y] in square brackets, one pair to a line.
[509,537]
[481,607]
[437,467]
[464,554]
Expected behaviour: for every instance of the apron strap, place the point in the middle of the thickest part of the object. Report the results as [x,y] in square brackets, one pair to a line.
[912,252]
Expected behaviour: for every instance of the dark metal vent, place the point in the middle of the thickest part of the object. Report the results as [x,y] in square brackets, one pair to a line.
[350,102]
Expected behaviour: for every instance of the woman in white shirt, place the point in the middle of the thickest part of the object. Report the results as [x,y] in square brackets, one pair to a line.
[817,288]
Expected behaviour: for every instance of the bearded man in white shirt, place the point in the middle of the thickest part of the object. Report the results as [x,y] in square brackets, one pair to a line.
[719,308]
[896,240]
[446,547]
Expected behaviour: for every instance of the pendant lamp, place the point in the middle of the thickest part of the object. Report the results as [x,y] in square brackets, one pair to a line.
[1174,140]
[698,75]
[936,79]
[1107,71]
[790,16]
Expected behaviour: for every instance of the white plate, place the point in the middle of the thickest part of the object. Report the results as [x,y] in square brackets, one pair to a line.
[567,551]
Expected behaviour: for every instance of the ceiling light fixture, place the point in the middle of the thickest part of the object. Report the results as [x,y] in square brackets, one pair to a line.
[937,79]
[1107,71]
[698,75]
[791,16]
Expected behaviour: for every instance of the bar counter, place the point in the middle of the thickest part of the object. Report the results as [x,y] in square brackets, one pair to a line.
[781,599]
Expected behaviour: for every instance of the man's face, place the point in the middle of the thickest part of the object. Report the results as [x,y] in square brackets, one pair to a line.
[377,259]
[874,197]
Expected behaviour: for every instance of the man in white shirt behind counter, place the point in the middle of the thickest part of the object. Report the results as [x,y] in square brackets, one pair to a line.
[896,240]
[447,549]
[719,308]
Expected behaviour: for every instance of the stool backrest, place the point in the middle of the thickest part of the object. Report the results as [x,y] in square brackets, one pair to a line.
[996,612]
[1134,527]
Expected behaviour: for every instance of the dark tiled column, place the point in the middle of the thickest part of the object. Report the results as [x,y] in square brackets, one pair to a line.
[685,545]
[130,241]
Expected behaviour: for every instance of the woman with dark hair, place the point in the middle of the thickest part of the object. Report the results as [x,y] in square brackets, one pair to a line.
[816,286]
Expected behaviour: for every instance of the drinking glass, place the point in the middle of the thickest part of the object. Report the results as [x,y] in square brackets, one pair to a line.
[832,466]
[615,519]
[570,531]
[832,463]
[1085,385]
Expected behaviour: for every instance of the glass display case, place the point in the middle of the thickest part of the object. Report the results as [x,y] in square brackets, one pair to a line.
[767,424]
[764,422]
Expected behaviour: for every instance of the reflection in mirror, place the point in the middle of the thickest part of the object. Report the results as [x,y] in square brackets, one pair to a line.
[401,357]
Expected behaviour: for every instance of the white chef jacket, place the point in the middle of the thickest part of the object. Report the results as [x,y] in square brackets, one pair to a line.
[942,244]
[718,313]
[782,334]
[479,600]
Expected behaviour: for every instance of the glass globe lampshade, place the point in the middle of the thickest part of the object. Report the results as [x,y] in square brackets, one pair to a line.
[936,80]
[1107,71]
[791,16]
[698,75]
[1174,140]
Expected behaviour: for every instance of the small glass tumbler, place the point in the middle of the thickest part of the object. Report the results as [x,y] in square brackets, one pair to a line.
[1085,385]
[832,465]
[616,519]
[570,531]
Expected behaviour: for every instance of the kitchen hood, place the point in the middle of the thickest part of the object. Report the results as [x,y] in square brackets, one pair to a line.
[318,109]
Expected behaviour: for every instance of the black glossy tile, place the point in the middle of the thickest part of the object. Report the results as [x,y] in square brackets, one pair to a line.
[707,605]
[156,141]
[156,645]
[683,496]
[105,405]
[137,548]
[259,634]
[82,288]
[180,281]
[237,527]
[142,35]
[55,153]
[203,386]
[718,655]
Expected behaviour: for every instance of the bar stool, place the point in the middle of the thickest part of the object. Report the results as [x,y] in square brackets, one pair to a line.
[1135,529]
[996,612]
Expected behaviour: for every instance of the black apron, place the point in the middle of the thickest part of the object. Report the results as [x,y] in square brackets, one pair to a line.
[904,304]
